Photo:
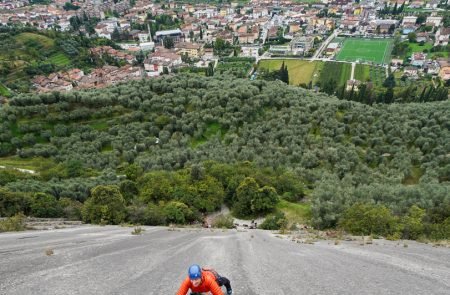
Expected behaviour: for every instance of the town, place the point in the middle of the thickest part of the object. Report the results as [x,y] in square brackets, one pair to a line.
[324,44]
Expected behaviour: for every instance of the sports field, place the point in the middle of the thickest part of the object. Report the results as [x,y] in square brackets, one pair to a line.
[366,50]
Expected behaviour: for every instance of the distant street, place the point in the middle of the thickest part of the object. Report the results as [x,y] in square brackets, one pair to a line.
[109,260]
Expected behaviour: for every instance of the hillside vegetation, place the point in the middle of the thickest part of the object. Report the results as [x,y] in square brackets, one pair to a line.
[185,144]
[26,52]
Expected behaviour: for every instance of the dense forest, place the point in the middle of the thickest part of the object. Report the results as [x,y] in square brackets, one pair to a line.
[169,149]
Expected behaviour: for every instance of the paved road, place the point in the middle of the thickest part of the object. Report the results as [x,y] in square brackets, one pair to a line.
[109,260]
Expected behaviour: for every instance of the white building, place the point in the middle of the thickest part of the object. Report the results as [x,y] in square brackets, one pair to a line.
[64,25]
[208,13]
[144,37]
[128,46]
[147,46]
[436,20]
[250,51]
[409,20]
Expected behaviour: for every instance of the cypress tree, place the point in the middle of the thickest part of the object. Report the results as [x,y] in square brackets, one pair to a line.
[394,11]
[400,10]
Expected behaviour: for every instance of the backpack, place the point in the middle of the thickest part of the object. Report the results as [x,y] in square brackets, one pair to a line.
[213,271]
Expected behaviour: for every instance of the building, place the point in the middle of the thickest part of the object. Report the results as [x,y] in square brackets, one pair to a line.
[146,46]
[442,37]
[444,73]
[176,35]
[409,20]
[192,50]
[144,37]
[435,20]
[247,38]
[302,44]
[432,67]
[410,71]
[332,48]
[250,51]
[208,54]
[280,49]
[418,59]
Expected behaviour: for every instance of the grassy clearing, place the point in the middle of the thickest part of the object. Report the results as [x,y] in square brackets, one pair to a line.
[368,50]
[362,72]
[212,130]
[439,54]
[416,47]
[99,125]
[295,212]
[59,59]
[4,91]
[43,40]
[36,164]
[300,71]
[107,148]
[413,177]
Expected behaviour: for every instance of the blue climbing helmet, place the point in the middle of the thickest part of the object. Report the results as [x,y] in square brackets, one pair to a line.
[195,272]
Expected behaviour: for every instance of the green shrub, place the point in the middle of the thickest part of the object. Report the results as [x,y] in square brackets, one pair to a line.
[274,221]
[412,223]
[177,212]
[71,209]
[14,223]
[105,206]
[440,231]
[137,230]
[12,203]
[223,221]
[251,199]
[368,219]
[153,215]
[44,205]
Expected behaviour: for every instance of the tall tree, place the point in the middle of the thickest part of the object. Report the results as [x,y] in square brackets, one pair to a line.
[284,74]
[115,35]
[140,57]
[394,11]
[400,10]
[168,42]
[210,70]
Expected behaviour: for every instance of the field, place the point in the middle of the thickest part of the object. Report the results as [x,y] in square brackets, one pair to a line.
[337,71]
[59,59]
[366,50]
[377,75]
[27,38]
[362,72]
[238,66]
[300,71]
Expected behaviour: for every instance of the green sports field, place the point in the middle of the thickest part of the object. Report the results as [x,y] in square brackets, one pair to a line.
[366,50]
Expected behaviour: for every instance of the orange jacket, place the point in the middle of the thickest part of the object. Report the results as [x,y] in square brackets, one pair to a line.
[208,284]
